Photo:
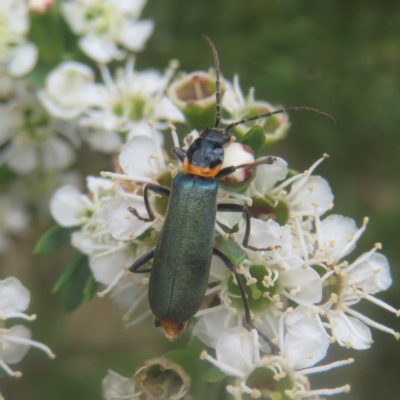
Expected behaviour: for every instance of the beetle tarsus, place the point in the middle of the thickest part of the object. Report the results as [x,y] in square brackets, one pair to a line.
[136,214]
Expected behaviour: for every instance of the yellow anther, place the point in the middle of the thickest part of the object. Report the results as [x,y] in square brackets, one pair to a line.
[255,394]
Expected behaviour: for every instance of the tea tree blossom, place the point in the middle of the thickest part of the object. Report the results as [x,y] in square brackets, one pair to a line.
[69,90]
[104,26]
[126,106]
[32,140]
[239,107]
[15,341]
[17,55]
[266,376]
[13,221]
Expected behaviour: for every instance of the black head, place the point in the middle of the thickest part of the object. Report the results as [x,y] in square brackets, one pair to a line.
[204,158]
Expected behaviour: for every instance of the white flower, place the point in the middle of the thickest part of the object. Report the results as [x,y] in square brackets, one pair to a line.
[13,221]
[15,342]
[238,355]
[17,55]
[309,195]
[239,107]
[105,25]
[31,136]
[345,284]
[14,299]
[105,234]
[69,90]
[67,206]
[127,106]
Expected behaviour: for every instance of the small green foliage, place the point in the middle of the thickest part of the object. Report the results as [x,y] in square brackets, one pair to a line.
[91,288]
[75,291]
[185,358]
[231,249]
[71,269]
[53,239]
[213,374]
[255,139]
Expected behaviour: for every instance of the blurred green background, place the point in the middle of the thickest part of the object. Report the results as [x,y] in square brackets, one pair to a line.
[339,56]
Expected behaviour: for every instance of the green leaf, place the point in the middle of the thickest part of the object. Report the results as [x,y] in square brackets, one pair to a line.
[255,139]
[71,269]
[187,358]
[90,288]
[232,250]
[74,292]
[53,239]
[214,374]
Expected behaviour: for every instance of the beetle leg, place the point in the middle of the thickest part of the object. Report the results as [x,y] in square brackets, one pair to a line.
[179,154]
[156,189]
[225,259]
[142,261]
[226,207]
[230,170]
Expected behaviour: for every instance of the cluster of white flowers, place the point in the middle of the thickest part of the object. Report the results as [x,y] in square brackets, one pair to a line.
[301,291]
[15,341]
[17,55]
[104,26]
[301,288]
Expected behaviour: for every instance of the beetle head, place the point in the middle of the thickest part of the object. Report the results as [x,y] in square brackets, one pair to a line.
[204,158]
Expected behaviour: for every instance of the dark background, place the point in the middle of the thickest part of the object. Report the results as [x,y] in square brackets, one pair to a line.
[339,56]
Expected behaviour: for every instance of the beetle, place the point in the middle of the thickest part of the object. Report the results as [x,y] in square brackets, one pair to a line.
[182,256]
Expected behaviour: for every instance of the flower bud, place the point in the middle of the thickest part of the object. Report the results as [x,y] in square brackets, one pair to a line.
[194,95]
[275,126]
[40,6]
[237,154]
[160,379]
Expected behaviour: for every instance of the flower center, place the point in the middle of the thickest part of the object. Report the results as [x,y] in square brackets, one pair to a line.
[101,17]
[258,295]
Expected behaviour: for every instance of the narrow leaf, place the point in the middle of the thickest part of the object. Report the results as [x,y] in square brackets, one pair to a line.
[90,288]
[74,292]
[185,358]
[71,269]
[53,239]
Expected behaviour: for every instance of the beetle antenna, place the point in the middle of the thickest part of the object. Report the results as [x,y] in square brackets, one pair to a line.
[217,81]
[281,111]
